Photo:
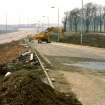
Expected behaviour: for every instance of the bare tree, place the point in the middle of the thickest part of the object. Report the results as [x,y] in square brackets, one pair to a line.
[104,17]
[65,20]
[93,18]
[88,15]
[75,15]
[100,17]
[94,14]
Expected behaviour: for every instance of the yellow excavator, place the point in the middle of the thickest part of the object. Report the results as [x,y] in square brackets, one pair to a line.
[45,36]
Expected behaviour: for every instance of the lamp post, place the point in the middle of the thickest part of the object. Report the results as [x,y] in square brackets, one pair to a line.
[48,21]
[6,24]
[82,24]
[43,23]
[38,26]
[47,17]
[58,24]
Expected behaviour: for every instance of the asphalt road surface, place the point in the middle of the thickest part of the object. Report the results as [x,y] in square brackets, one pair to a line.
[69,50]
[8,37]
[89,86]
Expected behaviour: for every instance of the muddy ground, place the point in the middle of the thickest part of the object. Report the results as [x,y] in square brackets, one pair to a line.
[11,59]
[86,83]
[10,51]
[25,85]
[60,61]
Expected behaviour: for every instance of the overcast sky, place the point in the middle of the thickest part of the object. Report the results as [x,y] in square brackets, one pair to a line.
[31,11]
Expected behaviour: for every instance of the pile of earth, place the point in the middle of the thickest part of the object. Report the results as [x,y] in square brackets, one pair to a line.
[14,56]
[20,63]
[10,51]
[25,88]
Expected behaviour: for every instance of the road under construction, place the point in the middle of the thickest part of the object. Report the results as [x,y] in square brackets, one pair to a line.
[62,65]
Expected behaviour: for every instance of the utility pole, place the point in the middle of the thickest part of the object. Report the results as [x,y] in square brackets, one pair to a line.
[58,25]
[47,17]
[48,21]
[82,24]
[6,25]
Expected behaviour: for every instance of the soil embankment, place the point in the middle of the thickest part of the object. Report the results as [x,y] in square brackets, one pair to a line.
[10,51]
[25,88]
[88,39]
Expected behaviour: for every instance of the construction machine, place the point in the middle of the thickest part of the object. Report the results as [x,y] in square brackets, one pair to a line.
[45,35]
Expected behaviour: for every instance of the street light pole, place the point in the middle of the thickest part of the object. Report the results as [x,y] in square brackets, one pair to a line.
[47,17]
[48,21]
[58,24]
[82,24]
[6,24]
[38,26]
[43,23]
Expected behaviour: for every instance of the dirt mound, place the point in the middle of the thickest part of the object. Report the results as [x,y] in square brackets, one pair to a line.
[10,51]
[25,88]
[3,69]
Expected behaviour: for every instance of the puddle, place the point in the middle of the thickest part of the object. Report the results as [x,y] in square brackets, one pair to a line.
[88,65]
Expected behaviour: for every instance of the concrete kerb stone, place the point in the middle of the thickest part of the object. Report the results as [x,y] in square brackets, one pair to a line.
[44,59]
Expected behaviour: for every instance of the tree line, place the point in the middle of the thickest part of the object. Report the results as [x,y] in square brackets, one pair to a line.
[92,17]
